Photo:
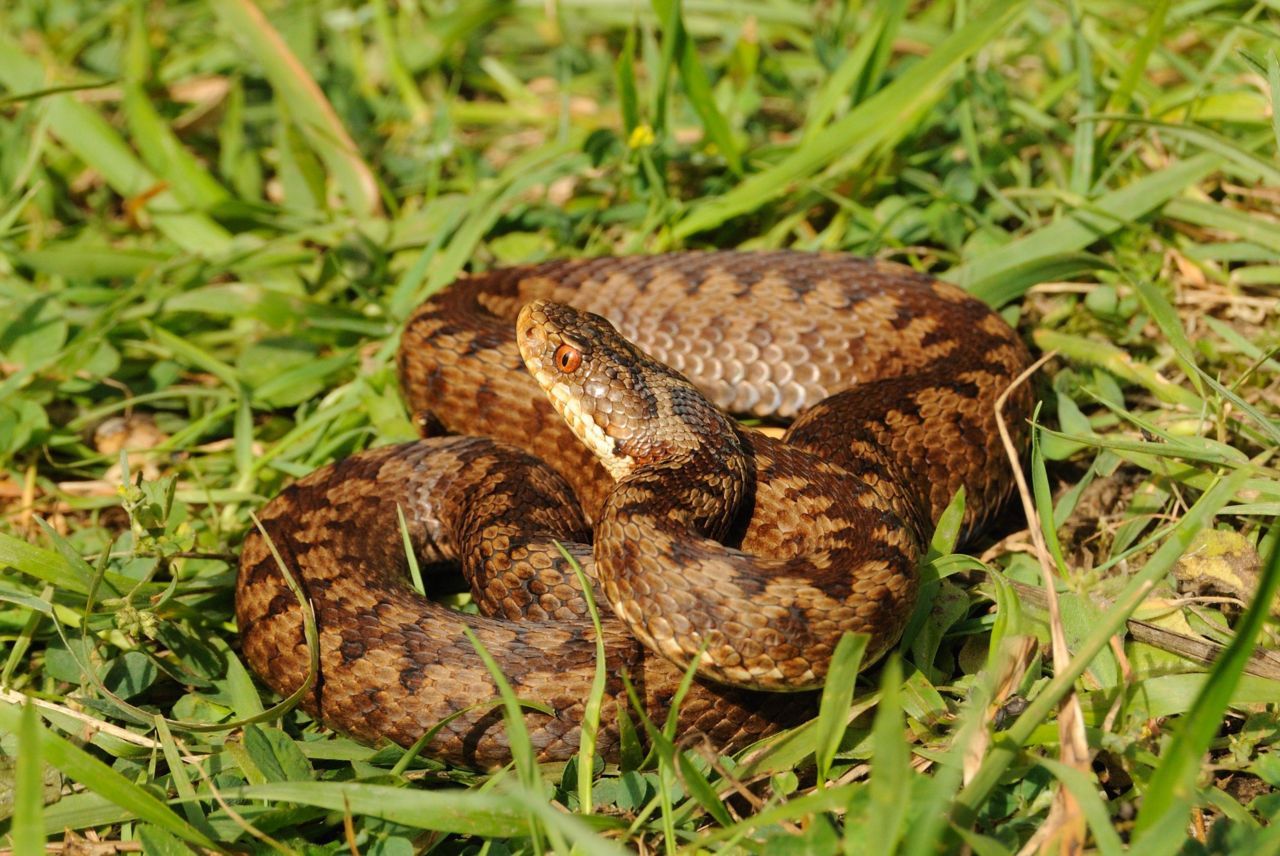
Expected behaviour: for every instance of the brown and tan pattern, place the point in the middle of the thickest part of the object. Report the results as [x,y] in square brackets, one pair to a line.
[894,377]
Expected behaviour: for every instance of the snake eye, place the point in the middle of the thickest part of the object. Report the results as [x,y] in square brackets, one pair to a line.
[567,358]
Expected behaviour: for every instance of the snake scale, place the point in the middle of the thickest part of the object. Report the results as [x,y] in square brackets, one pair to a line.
[708,536]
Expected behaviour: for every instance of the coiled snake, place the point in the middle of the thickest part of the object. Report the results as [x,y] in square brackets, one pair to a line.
[715,538]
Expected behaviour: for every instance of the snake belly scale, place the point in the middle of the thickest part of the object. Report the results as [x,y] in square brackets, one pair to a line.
[710,539]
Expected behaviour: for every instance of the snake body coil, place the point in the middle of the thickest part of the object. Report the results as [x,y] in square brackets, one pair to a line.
[708,537]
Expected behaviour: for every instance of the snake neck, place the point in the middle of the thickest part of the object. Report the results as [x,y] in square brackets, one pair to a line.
[698,489]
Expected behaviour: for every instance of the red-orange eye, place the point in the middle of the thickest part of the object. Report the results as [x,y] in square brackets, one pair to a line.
[567,358]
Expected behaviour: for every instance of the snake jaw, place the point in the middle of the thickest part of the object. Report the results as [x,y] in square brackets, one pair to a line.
[584,426]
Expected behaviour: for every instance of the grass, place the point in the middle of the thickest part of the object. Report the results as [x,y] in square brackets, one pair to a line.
[214,216]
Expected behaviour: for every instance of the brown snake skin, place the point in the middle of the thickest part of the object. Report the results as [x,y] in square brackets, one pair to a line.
[895,376]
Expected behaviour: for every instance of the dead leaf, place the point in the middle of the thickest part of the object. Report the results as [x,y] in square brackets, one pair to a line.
[1221,562]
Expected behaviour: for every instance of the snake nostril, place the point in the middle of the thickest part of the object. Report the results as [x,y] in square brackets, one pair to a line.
[532,337]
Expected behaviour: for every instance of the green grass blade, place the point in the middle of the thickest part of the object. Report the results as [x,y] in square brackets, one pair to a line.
[157,842]
[86,133]
[161,149]
[625,73]
[1233,337]
[878,122]
[829,799]
[316,117]
[937,796]
[1239,153]
[1256,230]
[27,822]
[518,732]
[697,86]
[181,782]
[1119,362]
[410,556]
[39,606]
[584,838]
[1122,96]
[41,564]
[660,89]
[1166,317]
[245,700]
[517,737]
[1273,88]
[469,812]
[406,86]
[1042,493]
[1085,791]
[859,73]
[1014,280]
[193,355]
[837,695]
[595,697]
[538,168]
[891,773]
[1082,149]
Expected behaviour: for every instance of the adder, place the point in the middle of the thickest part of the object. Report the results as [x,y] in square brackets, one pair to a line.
[711,540]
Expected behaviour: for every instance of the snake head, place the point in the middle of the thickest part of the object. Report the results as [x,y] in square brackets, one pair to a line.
[629,409]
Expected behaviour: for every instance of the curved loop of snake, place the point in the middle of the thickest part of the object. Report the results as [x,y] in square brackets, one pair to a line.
[707,539]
